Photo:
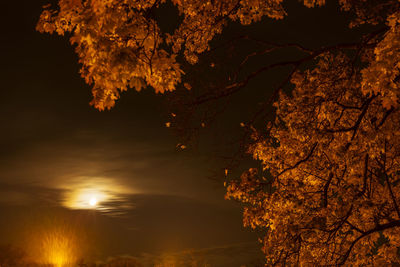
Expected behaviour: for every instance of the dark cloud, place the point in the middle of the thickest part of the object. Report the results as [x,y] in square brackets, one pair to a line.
[137,166]
[15,194]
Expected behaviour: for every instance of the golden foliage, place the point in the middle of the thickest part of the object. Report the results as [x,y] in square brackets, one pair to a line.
[333,158]
[120,45]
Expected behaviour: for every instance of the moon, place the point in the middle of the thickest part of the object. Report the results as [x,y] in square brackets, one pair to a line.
[93,202]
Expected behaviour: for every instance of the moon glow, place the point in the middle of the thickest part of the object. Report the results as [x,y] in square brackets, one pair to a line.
[93,202]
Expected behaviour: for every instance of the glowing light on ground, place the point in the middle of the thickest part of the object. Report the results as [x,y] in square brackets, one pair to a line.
[59,247]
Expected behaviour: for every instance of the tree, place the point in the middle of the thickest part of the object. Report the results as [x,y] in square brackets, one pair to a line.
[123,262]
[330,186]
[11,256]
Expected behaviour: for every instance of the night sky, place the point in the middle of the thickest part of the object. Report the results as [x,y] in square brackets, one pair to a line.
[154,200]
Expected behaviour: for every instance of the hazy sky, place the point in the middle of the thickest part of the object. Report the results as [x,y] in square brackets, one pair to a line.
[56,148]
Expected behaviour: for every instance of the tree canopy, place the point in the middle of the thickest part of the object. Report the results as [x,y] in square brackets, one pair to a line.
[329,190]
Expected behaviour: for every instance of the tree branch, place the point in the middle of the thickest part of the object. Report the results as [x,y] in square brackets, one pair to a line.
[380,227]
[356,125]
[387,113]
[235,87]
[326,187]
[299,162]
[365,176]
